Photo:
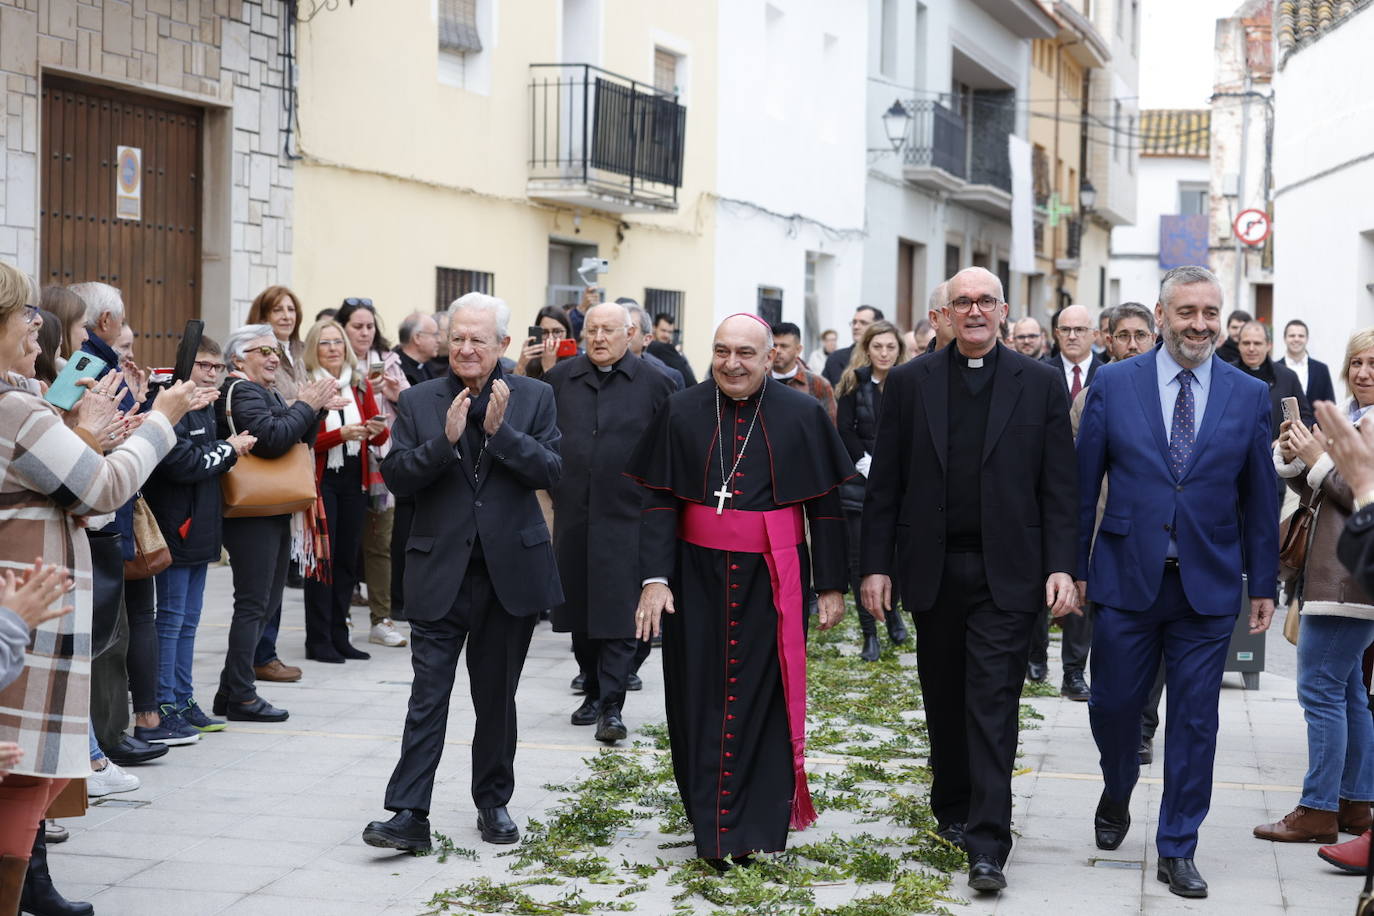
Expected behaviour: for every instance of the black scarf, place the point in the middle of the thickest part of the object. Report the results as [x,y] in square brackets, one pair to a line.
[477,407]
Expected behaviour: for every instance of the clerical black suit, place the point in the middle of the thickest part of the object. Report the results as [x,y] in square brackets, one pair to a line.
[479,569]
[973,489]
[733,749]
[601,416]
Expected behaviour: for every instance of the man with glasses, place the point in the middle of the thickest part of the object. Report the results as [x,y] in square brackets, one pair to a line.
[1077,363]
[971,498]
[835,365]
[1028,338]
[419,336]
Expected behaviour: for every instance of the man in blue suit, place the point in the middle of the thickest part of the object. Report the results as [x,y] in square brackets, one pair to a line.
[1183,440]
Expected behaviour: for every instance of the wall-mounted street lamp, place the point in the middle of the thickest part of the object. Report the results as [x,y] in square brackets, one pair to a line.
[895,122]
[1087,195]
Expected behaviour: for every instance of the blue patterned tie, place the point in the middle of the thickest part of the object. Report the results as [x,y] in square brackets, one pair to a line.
[1181,435]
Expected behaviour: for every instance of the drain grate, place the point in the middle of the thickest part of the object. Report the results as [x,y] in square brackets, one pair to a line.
[119,803]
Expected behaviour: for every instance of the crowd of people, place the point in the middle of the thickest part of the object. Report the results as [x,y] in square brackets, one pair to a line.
[970,481]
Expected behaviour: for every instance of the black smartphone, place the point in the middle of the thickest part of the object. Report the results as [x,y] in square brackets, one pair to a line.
[536,332]
[187,349]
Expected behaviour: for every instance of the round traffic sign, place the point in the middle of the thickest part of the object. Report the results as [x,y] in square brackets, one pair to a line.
[1252,226]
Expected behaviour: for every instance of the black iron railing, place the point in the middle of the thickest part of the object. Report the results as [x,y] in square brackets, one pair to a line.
[994,118]
[937,137]
[613,134]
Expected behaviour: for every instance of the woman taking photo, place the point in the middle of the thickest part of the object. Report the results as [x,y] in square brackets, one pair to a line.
[858,404]
[342,468]
[280,309]
[260,548]
[539,356]
[47,493]
[1336,627]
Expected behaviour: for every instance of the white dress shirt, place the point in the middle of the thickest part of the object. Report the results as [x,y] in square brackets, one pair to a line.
[1083,367]
[1298,366]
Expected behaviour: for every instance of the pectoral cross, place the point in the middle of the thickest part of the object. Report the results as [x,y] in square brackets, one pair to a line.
[721,496]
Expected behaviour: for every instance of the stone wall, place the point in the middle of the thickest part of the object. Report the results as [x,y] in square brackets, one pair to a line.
[222,54]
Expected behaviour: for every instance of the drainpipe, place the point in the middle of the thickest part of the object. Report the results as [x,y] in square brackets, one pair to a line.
[1240,184]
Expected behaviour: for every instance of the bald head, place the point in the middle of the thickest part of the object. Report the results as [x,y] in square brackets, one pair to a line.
[607,333]
[979,277]
[741,355]
[939,297]
[749,326]
[1074,331]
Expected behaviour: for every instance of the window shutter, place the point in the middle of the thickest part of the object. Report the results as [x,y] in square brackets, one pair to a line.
[458,26]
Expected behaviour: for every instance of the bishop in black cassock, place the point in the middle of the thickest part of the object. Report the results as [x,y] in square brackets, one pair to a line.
[736,469]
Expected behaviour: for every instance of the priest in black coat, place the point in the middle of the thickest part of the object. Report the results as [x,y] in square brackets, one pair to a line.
[973,489]
[606,398]
[736,470]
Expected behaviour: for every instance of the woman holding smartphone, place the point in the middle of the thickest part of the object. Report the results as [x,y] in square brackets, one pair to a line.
[540,352]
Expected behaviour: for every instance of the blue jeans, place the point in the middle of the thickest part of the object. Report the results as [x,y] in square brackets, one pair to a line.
[180,596]
[96,752]
[1340,731]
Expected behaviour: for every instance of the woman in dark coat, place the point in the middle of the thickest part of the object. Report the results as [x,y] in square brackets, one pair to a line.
[858,402]
[259,548]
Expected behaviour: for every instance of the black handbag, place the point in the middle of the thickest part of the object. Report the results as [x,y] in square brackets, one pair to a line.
[107,587]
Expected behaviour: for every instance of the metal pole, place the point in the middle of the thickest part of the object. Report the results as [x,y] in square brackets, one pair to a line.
[1240,186]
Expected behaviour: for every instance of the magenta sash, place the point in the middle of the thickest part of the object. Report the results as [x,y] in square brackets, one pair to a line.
[774,534]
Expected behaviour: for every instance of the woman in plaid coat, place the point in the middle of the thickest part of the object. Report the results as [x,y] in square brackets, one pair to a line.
[49,479]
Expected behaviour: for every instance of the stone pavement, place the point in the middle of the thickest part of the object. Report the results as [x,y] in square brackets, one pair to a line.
[261,820]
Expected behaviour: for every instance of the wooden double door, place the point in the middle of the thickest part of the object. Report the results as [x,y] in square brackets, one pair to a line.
[131,220]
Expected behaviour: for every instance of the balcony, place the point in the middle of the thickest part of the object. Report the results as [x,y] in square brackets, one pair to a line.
[989,160]
[935,149]
[603,141]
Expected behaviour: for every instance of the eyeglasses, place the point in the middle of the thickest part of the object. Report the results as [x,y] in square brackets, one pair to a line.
[30,313]
[1128,336]
[1075,331]
[556,333]
[594,333]
[1026,338]
[264,352]
[963,305]
[212,368]
[355,301]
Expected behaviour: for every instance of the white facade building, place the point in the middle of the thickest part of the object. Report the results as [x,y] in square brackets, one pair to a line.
[789,202]
[1324,179]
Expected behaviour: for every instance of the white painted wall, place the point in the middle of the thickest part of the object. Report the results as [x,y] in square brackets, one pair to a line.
[1324,229]
[1135,249]
[790,140]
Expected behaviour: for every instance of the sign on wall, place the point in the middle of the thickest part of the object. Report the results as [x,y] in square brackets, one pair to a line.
[1252,226]
[129,183]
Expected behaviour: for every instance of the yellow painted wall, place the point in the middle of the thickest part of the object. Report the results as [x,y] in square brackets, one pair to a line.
[1064,125]
[403,173]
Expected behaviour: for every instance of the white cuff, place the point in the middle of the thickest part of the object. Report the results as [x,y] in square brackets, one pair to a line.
[1284,469]
[661,580]
[1317,475]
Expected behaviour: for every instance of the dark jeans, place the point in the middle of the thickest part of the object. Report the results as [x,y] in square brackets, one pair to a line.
[327,603]
[140,604]
[607,664]
[496,646]
[258,552]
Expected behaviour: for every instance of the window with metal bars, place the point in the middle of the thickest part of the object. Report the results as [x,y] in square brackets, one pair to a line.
[458,26]
[664,302]
[770,305]
[452,282]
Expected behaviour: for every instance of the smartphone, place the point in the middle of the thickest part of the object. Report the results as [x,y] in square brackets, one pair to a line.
[64,391]
[567,347]
[536,333]
[1290,409]
[374,370]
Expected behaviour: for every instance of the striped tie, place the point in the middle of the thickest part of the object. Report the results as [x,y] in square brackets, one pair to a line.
[1181,435]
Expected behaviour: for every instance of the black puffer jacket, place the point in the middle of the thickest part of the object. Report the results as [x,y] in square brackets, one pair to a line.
[856,415]
[184,492]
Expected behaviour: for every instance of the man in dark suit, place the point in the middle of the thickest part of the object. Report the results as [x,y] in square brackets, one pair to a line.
[972,491]
[836,362]
[471,449]
[1076,361]
[663,349]
[1182,438]
[1314,374]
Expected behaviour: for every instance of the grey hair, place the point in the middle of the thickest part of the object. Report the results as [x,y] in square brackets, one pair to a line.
[1268,332]
[407,328]
[238,341]
[1131,310]
[939,297]
[1185,276]
[641,318]
[481,302]
[99,298]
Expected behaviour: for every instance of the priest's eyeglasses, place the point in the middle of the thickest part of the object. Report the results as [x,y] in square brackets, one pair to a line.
[963,305]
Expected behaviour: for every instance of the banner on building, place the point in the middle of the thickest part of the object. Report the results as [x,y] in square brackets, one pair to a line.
[1182,240]
[1022,202]
[128,182]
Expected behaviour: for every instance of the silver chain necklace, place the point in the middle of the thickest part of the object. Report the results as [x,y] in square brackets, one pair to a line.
[724,493]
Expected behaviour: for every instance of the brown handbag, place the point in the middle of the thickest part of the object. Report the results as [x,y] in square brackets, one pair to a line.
[1297,534]
[151,555]
[256,487]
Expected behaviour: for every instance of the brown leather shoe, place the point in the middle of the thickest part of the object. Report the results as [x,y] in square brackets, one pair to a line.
[276,670]
[1354,817]
[1301,825]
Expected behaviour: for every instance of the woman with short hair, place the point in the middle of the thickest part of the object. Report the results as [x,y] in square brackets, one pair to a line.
[280,309]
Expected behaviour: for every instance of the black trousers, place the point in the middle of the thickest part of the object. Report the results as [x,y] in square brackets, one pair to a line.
[140,605]
[607,665]
[110,686]
[867,623]
[972,660]
[496,646]
[1073,649]
[327,603]
[259,550]
[400,533]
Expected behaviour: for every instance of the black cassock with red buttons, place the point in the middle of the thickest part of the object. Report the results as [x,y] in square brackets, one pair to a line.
[727,719]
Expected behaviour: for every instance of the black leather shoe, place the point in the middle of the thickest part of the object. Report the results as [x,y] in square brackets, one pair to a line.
[634,683]
[610,728]
[328,656]
[496,826]
[1146,754]
[348,651]
[871,649]
[587,713]
[1075,687]
[896,629]
[578,683]
[985,875]
[952,833]
[40,897]
[255,710]
[132,752]
[1111,822]
[1182,877]
[1037,671]
[408,830]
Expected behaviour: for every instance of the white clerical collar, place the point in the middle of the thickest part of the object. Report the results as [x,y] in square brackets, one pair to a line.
[604,369]
[784,376]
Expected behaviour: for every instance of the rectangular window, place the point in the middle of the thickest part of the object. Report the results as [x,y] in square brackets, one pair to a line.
[666,72]
[452,282]
[1192,198]
[952,258]
[887,60]
[458,26]
[770,304]
[664,302]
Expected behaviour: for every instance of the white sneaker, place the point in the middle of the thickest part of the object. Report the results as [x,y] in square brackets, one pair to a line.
[110,780]
[386,634]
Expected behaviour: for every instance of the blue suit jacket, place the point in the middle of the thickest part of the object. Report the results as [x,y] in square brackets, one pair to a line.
[1224,505]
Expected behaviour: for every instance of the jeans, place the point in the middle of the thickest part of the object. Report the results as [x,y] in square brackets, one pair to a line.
[96,752]
[1340,732]
[141,658]
[180,595]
